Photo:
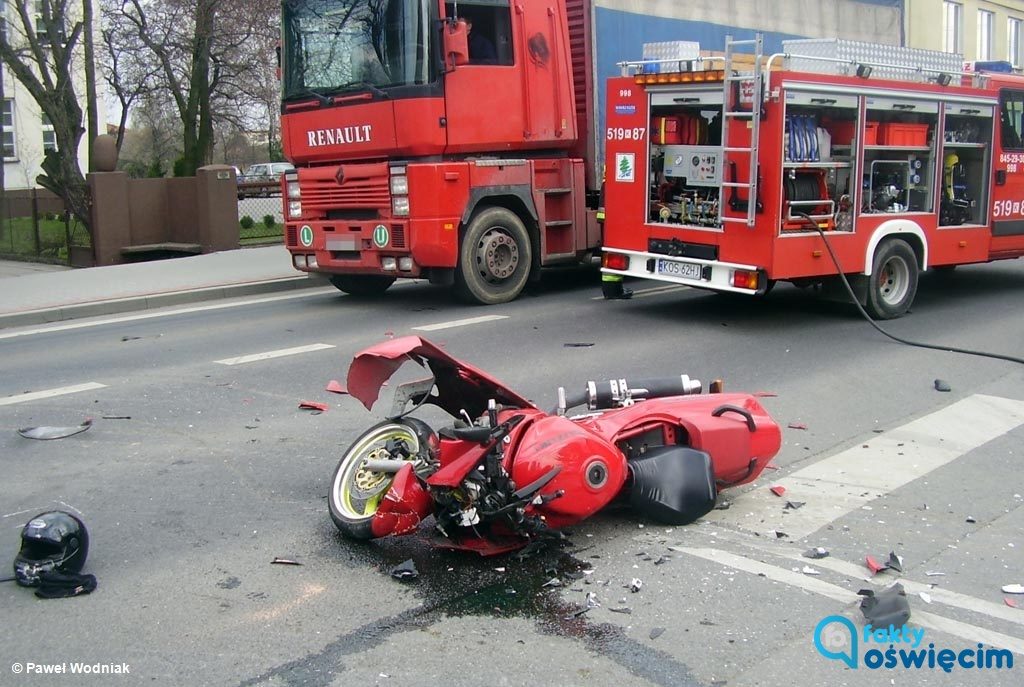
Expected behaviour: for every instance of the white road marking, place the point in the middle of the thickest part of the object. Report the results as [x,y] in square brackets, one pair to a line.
[48,329]
[846,481]
[242,359]
[860,572]
[460,323]
[50,393]
[640,293]
[966,631]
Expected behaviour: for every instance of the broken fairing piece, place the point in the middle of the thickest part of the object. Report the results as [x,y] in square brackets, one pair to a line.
[873,565]
[887,607]
[335,387]
[808,570]
[635,585]
[925,597]
[553,582]
[405,571]
[778,490]
[48,433]
[1013,589]
[895,562]
[592,601]
[794,505]
[313,405]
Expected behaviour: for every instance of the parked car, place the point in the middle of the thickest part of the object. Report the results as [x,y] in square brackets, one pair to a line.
[261,179]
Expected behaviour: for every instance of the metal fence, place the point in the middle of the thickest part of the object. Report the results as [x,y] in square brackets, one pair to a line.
[34,225]
[260,213]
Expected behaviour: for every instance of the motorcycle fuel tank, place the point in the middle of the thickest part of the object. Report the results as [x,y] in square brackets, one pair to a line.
[591,471]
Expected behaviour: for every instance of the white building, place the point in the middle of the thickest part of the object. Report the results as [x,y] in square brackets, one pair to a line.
[26,133]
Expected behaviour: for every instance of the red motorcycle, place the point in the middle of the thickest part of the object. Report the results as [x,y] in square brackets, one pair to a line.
[506,472]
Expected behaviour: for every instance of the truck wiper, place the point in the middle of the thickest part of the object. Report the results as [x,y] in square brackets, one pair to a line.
[371,88]
[320,97]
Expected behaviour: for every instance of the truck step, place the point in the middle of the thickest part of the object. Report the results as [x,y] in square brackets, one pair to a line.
[555,191]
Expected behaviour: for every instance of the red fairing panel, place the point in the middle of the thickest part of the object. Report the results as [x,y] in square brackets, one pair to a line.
[404,506]
[460,386]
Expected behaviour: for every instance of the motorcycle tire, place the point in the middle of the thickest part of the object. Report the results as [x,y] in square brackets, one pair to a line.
[355,492]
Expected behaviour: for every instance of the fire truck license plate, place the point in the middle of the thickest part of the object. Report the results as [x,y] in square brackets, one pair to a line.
[687,270]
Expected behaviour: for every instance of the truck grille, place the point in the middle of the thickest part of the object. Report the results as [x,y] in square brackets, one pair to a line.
[327,194]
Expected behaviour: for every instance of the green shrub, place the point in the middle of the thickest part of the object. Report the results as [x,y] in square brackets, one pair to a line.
[247,222]
[269,221]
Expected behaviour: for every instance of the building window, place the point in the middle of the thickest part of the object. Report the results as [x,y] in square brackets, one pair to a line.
[986,20]
[1013,42]
[952,27]
[49,136]
[7,115]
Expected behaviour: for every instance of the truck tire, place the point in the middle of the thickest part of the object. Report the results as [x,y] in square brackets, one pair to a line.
[362,284]
[494,258]
[893,281]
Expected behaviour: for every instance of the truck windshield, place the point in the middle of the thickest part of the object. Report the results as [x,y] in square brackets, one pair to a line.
[334,46]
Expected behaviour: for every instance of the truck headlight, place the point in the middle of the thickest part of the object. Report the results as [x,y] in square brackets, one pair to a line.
[400,206]
[294,192]
[294,209]
[399,185]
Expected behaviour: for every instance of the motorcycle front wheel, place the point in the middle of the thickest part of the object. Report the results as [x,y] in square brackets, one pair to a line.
[356,491]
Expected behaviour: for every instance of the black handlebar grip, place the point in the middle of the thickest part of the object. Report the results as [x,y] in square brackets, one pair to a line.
[605,394]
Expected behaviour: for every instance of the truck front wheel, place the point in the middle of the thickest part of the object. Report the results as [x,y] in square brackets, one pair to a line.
[362,284]
[494,258]
[893,281]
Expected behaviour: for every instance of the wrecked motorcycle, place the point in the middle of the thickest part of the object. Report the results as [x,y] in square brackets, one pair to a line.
[506,472]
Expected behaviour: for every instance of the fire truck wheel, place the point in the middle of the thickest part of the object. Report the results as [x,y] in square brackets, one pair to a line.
[362,284]
[893,282]
[494,259]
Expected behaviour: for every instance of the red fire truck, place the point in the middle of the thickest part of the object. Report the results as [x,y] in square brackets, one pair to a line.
[442,140]
[731,174]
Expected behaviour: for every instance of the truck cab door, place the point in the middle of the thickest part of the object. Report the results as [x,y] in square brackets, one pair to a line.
[1008,174]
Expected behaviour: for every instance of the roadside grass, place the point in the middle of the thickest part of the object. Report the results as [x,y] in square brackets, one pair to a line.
[18,239]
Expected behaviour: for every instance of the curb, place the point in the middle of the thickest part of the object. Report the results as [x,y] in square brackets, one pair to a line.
[61,313]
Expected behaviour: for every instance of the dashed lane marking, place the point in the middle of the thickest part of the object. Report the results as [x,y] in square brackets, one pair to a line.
[847,481]
[243,359]
[50,393]
[460,323]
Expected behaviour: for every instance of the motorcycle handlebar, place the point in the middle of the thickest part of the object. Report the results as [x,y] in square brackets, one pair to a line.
[611,392]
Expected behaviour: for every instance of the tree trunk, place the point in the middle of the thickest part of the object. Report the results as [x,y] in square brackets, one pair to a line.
[92,115]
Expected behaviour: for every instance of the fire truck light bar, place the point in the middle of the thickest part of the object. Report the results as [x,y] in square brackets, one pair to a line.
[681,77]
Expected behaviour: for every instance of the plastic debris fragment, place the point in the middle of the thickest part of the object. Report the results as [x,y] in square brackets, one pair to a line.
[886,607]
[49,433]
[797,425]
[873,565]
[794,505]
[626,610]
[1010,602]
[405,571]
[778,490]
[284,561]
[335,387]
[313,405]
[970,519]
[657,632]
[553,582]
[808,570]
[1013,589]
[635,585]
[816,553]
[942,385]
[925,596]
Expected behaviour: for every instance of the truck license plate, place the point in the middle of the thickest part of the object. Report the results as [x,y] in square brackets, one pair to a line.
[687,270]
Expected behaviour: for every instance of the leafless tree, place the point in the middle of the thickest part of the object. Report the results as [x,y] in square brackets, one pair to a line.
[44,53]
[212,57]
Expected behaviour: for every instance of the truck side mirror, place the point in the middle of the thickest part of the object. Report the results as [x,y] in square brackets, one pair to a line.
[456,44]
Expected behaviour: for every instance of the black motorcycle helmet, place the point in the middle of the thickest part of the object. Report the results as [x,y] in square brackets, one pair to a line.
[54,541]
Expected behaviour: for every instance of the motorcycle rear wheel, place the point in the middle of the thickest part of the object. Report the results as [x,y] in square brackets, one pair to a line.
[356,492]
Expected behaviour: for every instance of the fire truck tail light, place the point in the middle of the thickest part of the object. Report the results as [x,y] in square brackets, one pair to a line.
[744,279]
[616,261]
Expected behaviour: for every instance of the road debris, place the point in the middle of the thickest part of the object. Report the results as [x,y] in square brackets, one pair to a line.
[592,601]
[925,596]
[405,571]
[722,504]
[942,385]
[894,562]
[797,425]
[764,394]
[780,534]
[49,433]
[577,345]
[635,585]
[778,490]
[657,632]
[553,582]
[886,607]
[313,405]
[794,505]
[808,570]
[816,553]
[970,519]
[626,610]
[1013,589]
[335,387]
[284,561]
[1010,602]
[934,573]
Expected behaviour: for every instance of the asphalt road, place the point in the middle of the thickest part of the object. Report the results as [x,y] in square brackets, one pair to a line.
[200,469]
